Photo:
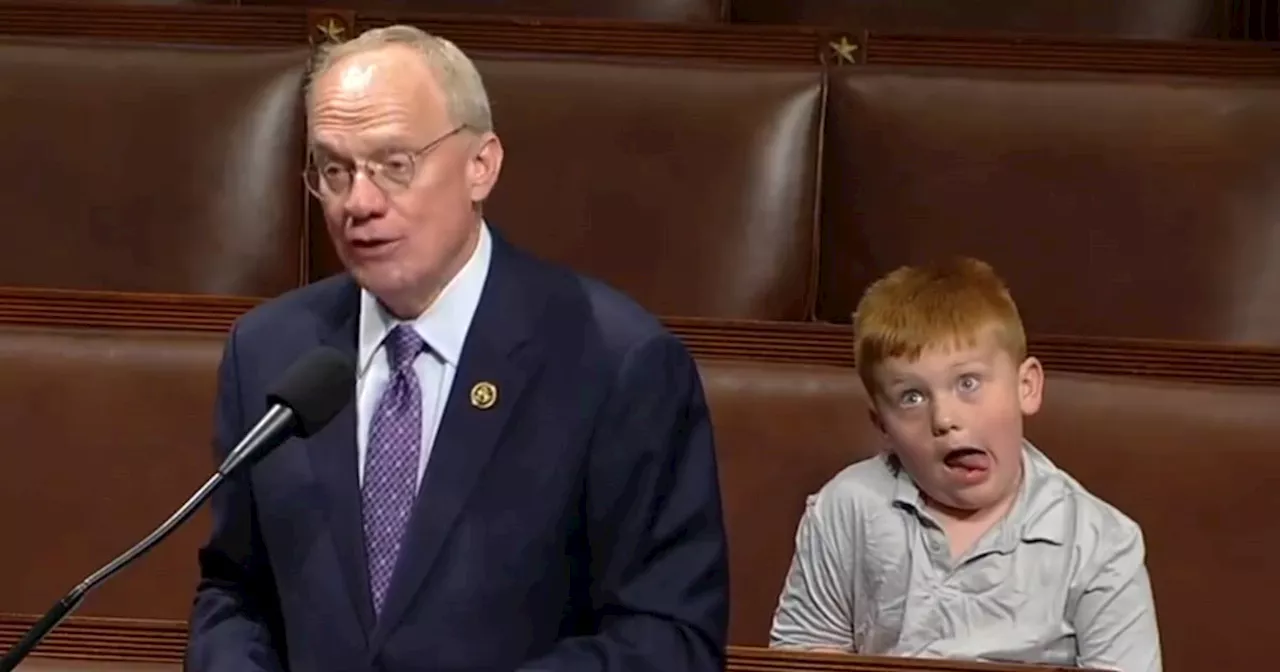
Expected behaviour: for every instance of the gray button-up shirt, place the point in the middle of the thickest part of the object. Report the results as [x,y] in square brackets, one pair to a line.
[1060,580]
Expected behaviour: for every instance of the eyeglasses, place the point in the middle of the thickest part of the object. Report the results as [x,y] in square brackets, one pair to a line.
[391,172]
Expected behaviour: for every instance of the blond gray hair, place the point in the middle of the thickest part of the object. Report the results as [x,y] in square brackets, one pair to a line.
[466,100]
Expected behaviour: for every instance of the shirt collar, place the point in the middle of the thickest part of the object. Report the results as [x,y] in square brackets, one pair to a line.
[1036,514]
[444,325]
[1040,509]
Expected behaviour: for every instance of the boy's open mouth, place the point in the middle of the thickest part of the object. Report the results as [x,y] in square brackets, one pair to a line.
[967,460]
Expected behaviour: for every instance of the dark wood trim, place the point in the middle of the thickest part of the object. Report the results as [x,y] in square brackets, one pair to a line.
[723,42]
[782,342]
[1229,58]
[45,307]
[297,26]
[832,344]
[112,639]
[596,37]
[130,640]
[183,24]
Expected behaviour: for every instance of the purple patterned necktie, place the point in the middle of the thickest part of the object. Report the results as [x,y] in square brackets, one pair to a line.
[391,462]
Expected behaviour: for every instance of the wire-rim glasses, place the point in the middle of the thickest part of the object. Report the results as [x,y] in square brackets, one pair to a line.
[327,177]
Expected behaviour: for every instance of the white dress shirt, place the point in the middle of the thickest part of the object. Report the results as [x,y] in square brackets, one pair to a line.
[443,326]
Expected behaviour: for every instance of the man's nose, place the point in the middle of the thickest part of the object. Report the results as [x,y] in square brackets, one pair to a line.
[364,199]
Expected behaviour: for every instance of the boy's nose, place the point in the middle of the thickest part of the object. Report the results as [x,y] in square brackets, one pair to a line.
[944,417]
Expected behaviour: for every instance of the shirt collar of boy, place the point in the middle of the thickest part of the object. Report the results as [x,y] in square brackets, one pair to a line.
[1038,514]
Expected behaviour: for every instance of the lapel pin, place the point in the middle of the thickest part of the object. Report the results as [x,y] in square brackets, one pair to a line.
[484,395]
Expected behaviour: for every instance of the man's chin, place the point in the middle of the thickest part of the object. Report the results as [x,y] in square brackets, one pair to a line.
[386,285]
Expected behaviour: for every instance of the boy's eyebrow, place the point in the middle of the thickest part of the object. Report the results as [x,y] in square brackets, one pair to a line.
[970,361]
[898,380]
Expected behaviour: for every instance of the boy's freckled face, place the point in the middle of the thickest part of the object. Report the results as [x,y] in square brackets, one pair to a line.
[954,418]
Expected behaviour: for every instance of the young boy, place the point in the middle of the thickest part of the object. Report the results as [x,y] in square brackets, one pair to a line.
[962,540]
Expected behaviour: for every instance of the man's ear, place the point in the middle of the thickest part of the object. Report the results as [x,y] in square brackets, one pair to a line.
[483,168]
[1030,385]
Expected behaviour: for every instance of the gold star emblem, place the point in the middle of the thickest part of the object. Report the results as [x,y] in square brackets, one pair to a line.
[844,49]
[331,29]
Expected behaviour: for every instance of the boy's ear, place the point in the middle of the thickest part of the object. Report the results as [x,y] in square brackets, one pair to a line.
[874,416]
[1030,385]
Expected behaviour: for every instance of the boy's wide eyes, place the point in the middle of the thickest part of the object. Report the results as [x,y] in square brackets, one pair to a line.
[965,384]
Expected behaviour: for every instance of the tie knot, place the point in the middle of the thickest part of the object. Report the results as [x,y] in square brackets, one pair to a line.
[403,346]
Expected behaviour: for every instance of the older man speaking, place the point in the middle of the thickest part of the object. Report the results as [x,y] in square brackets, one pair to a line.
[526,478]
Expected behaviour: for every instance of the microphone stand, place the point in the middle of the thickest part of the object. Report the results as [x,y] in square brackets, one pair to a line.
[68,603]
[270,432]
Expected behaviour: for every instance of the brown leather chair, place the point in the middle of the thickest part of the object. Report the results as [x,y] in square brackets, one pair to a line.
[1125,206]
[151,168]
[781,430]
[1197,467]
[106,433]
[130,168]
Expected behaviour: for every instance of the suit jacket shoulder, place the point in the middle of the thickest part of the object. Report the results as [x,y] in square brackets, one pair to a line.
[558,304]
[270,337]
[312,307]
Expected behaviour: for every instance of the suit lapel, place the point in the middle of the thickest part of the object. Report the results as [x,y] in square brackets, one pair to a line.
[497,352]
[333,460]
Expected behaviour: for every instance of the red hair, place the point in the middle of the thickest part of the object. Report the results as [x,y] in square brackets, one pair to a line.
[950,304]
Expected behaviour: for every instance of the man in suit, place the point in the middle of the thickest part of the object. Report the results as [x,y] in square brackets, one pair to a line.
[526,477]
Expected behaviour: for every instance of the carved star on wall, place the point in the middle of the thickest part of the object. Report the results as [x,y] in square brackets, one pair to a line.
[844,49]
[331,29]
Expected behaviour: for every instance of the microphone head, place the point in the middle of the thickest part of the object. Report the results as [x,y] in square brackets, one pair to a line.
[315,388]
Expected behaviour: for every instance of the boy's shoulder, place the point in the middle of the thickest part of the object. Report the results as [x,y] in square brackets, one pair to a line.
[1077,516]
[864,486]
[859,495]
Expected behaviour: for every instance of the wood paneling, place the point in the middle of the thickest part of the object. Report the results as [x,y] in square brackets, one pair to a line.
[204,24]
[164,642]
[48,307]
[199,24]
[719,42]
[731,43]
[783,342]
[102,638]
[1182,57]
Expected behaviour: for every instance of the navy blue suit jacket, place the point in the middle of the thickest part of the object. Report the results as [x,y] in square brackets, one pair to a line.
[575,525]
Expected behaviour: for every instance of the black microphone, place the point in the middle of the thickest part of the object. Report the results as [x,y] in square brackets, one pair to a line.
[301,403]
